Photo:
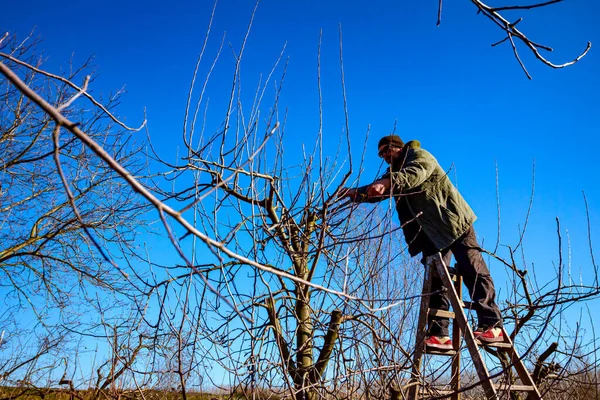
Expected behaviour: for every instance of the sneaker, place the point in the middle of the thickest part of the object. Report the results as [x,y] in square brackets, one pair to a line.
[489,335]
[439,342]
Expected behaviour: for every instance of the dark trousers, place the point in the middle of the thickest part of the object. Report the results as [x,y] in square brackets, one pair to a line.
[476,276]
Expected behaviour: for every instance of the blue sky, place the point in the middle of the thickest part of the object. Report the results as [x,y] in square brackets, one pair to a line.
[468,103]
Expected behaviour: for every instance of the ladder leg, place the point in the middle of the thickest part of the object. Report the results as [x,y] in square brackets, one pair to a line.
[456,339]
[524,375]
[413,392]
[461,320]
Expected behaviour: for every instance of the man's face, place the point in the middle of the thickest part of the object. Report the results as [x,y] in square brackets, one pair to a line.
[389,153]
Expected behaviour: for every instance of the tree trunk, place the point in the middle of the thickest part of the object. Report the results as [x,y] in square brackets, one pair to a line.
[304,345]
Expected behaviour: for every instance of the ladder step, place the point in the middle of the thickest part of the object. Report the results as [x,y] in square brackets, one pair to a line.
[441,313]
[447,314]
[437,392]
[514,388]
[498,345]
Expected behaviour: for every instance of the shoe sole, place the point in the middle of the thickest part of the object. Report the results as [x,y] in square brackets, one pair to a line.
[439,347]
[489,340]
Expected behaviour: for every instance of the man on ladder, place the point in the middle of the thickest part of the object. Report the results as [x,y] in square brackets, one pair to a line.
[435,218]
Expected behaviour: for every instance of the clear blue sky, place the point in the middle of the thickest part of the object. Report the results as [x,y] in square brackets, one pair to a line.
[468,103]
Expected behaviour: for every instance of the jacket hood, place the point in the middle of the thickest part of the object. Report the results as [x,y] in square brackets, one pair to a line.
[410,145]
[413,144]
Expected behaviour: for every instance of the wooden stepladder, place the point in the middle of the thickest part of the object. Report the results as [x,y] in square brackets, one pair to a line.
[460,329]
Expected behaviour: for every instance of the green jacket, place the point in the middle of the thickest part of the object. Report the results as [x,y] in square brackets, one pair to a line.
[420,185]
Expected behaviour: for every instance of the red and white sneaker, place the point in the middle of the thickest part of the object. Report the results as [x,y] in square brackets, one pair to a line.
[489,335]
[439,342]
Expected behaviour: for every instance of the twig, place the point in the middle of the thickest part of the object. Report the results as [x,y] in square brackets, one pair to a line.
[76,95]
[512,43]
[529,207]
[589,232]
[526,7]
[3,38]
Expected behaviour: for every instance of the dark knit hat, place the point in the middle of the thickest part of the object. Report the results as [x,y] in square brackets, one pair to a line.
[390,140]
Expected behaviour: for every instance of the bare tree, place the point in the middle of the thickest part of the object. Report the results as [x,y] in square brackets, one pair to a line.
[58,248]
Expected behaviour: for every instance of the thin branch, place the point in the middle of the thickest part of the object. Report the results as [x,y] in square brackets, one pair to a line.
[526,7]
[511,31]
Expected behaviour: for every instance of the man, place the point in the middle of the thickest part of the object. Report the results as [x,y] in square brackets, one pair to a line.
[435,218]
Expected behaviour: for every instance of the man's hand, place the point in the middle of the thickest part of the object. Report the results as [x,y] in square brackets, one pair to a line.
[347,192]
[379,188]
